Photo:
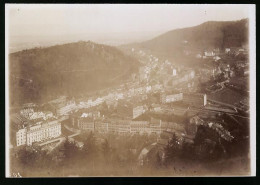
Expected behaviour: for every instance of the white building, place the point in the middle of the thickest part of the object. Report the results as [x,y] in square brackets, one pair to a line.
[171,98]
[227,50]
[21,137]
[209,53]
[26,112]
[174,72]
[137,111]
[36,115]
[139,127]
[38,132]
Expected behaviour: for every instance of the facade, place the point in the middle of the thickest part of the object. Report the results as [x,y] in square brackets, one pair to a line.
[62,106]
[119,126]
[21,137]
[155,128]
[195,99]
[101,127]
[174,72]
[209,53]
[137,111]
[183,78]
[26,112]
[86,124]
[139,127]
[171,98]
[38,132]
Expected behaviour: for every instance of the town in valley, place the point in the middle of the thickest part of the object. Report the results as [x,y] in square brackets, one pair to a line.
[138,110]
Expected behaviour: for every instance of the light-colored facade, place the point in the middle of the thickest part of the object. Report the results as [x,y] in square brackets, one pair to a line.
[139,127]
[38,132]
[101,127]
[26,112]
[195,99]
[171,98]
[174,72]
[184,78]
[137,111]
[21,137]
[86,124]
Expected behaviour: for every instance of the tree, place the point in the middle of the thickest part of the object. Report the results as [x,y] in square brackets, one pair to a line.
[27,156]
[89,147]
[172,150]
[106,150]
[158,161]
[69,149]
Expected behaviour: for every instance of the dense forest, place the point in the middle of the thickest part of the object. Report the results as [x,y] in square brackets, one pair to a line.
[71,69]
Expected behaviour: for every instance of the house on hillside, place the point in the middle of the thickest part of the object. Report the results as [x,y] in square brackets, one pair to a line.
[208,54]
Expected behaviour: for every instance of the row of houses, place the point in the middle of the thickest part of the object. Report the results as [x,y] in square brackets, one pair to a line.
[29,114]
[125,126]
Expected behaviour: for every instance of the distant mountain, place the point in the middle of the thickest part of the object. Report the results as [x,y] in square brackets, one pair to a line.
[209,35]
[69,69]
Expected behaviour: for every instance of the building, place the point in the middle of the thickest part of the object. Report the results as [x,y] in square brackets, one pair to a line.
[87,124]
[155,126]
[137,111]
[62,105]
[91,114]
[101,126]
[227,50]
[171,98]
[174,72]
[21,137]
[197,99]
[36,115]
[139,127]
[38,132]
[189,75]
[25,112]
[119,126]
[209,53]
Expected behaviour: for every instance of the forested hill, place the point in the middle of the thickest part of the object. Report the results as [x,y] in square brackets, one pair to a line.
[209,35]
[70,69]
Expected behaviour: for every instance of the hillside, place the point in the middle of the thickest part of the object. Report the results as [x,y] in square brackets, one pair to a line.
[71,69]
[208,35]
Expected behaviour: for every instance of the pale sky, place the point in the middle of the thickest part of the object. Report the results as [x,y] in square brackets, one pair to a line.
[101,20]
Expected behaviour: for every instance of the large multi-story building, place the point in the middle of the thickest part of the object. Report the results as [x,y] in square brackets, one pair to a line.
[119,126]
[101,126]
[139,127]
[21,137]
[171,97]
[38,132]
[86,124]
[195,99]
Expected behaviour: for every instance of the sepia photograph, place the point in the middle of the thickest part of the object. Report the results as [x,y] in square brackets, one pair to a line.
[130,90]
